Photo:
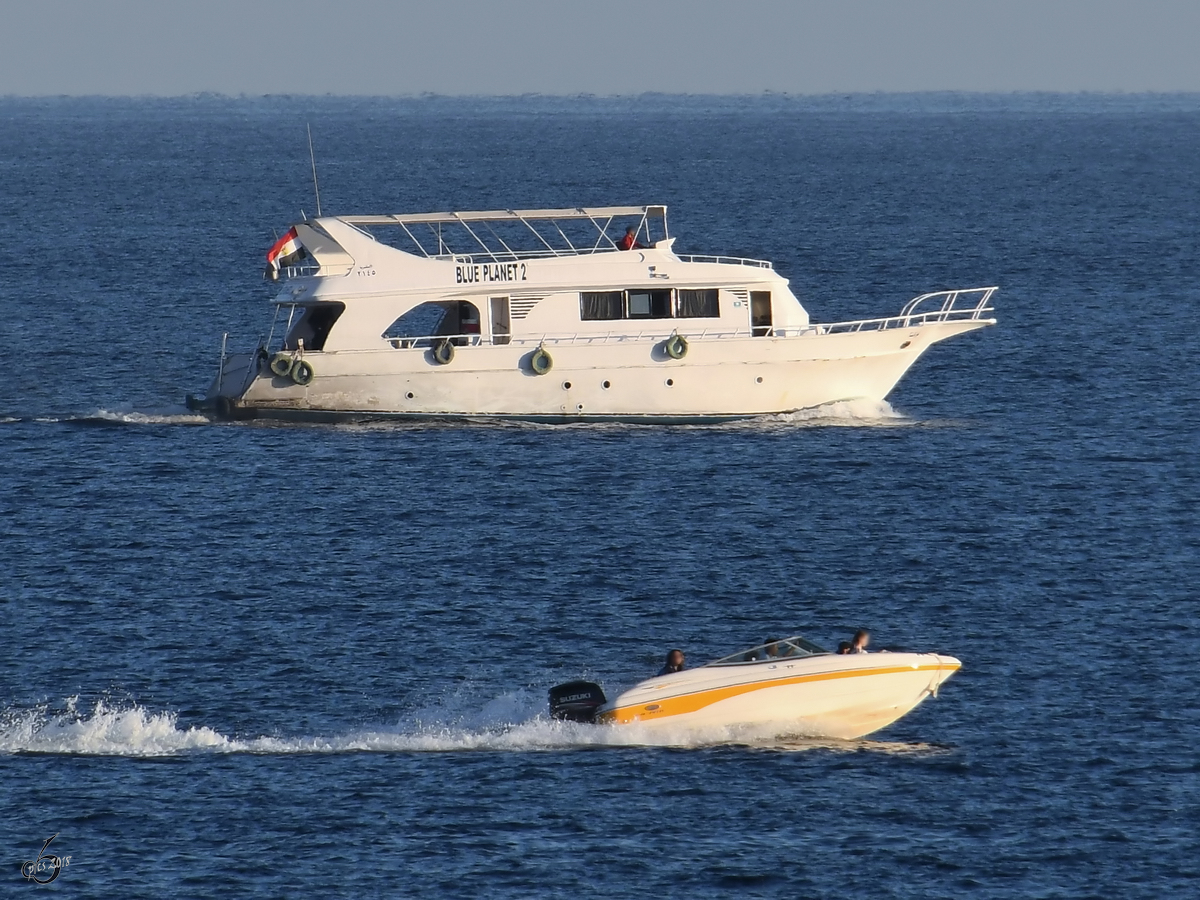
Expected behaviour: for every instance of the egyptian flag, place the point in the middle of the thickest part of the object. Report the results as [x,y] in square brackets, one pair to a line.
[284,252]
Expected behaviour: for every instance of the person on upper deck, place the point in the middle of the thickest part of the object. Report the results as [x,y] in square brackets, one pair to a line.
[675,661]
[862,637]
[630,241]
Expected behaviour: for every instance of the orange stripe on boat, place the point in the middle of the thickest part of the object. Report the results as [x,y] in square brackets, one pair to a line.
[686,703]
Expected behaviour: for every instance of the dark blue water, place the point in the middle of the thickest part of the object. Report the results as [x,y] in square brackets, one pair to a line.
[311,661]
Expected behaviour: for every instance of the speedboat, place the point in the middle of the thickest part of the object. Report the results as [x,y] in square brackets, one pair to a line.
[548,315]
[789,686]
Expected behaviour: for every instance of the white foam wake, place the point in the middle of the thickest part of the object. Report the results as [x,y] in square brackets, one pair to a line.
[510,723]
[129,417]
[128,731]
[845,412]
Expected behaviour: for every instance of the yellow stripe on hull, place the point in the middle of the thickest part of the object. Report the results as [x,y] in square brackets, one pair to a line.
[841,712]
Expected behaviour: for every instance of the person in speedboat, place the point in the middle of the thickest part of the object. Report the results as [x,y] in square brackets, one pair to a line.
[675,663]
[862,637]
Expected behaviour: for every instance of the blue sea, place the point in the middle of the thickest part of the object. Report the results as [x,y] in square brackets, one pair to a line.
[311,661]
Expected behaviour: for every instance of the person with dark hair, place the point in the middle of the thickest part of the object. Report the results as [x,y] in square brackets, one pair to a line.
[630,241]
[843,648]
[862,637]
[675,661]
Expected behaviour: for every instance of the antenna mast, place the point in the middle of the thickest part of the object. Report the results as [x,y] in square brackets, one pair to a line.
[312,159]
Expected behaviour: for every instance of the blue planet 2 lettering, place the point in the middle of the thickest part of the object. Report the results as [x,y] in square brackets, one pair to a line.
[488,273]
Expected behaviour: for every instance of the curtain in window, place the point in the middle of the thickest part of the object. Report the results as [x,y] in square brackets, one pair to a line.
[699,304]
[600,305]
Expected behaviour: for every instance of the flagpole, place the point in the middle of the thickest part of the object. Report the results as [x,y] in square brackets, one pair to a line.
[313,159]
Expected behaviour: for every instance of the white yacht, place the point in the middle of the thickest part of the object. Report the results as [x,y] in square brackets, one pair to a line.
[553,315]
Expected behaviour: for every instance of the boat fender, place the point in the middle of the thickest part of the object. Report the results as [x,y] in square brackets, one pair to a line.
[281,364]
[303,373]
[443,353]
[576,701]
[541,362]
[676,346]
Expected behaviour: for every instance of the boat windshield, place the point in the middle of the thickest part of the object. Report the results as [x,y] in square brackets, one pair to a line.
[792,647]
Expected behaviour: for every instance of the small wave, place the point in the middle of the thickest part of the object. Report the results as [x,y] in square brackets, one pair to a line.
[506,724]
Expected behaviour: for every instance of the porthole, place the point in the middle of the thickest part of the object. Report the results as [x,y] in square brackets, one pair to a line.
[579,407]
[758,380]
[670,382]
[410,395]
[566,385]
[905,344]
[606,385]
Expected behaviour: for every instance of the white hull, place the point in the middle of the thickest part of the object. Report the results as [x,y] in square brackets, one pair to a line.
[829,696]
[720,378]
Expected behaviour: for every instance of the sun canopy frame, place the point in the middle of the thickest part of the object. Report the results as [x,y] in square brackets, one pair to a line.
[478,225]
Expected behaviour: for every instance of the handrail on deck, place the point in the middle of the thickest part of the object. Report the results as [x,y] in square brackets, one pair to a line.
[949,306]
[728,260]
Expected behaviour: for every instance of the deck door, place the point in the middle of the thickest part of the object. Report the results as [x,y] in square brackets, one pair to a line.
[501,321]
[760,313]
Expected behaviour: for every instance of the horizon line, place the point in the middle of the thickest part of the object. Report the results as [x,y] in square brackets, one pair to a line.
[590,95]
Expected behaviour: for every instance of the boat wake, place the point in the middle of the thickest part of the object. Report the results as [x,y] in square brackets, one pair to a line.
[845,413]
[855,413]
[514,722]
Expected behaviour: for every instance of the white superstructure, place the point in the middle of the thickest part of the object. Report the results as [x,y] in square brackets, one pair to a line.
[540,314]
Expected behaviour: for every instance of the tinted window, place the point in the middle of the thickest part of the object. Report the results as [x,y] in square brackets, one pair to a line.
[594,305]
[700,304]
[649,304]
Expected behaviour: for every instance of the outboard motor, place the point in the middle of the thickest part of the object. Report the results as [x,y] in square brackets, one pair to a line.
[576,701]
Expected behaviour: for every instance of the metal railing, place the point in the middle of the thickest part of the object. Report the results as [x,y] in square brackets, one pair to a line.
[728,260]
[425,342]
[945,306]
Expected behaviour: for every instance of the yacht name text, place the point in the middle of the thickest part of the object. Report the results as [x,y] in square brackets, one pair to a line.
[489,272]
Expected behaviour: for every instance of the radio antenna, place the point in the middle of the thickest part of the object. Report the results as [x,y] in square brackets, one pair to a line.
[312,159]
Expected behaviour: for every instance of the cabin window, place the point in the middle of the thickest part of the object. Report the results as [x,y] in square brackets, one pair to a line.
[314,325]
[456,319]
[649,304]
[700,304]
[597,305]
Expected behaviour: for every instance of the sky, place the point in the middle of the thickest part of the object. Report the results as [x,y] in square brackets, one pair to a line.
[397,47]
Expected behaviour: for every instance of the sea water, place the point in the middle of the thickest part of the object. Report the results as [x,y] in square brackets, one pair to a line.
[312,661]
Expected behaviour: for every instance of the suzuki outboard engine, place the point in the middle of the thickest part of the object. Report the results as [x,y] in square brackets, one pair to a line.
[576,701]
